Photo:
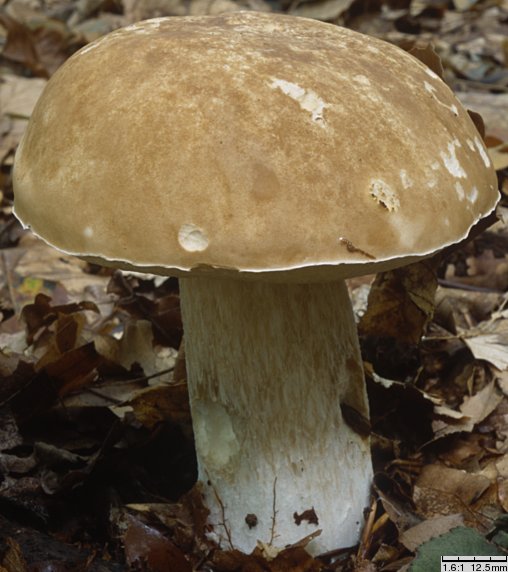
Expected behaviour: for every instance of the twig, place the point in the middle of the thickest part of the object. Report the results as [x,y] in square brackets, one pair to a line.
[274,511]
[468,287]
[481,85]
[143,377]
[223,512]
[367,532]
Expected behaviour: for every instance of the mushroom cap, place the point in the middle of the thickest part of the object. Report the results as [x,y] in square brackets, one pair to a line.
[252,145]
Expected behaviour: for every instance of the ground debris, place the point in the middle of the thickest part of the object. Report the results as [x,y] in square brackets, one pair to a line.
[97,459]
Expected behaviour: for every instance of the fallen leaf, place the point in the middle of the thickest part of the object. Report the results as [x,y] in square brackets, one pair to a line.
[492,108]
[147,548]
[41,314]
[13,560]
[401,303]
[473,410]
[41,49]
[165,402]
[397,505]
[502,492]
[428,55]
[18,96]
[489,342]
[428,529]
[137,347]
[443,491]
[34,267]
[325,10]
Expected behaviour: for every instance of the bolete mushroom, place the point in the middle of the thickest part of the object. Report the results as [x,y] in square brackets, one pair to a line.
[262,159]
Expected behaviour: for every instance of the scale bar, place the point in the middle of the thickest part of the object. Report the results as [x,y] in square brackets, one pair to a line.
[474,558]
[474,563]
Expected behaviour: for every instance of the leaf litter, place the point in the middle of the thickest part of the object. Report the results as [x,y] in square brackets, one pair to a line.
[96,449]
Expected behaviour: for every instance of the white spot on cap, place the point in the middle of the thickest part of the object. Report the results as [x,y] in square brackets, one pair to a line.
[384,195]
[451,162]
[473,195]
[361,79]
[308,99]
[460,191]
[144,27]
[88,231]
[88,48]
[154,22]
[470,144]
[432,74]
[430,88]
[192,238]
[483,153]
[407,183]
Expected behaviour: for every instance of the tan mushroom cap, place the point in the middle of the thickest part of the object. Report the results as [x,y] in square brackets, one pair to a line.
[251,143]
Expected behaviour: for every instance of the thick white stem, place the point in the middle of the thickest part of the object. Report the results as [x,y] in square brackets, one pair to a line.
[270,366]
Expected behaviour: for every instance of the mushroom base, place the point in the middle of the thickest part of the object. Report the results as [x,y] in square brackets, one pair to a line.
[271,369]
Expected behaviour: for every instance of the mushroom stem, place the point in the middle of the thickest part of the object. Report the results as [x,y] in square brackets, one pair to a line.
[271,367]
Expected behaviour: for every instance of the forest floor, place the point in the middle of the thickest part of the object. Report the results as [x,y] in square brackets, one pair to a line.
[97,459]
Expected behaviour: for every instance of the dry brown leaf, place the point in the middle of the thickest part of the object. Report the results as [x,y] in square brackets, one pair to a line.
[164,402]
[42,313]
[135,10]
[174,516]
[501,467]
[482,404]
[466,450]
[325,10]
[18,96]
[13,560]
[211,7]
[491,348]
[428,529]
[458,309]
[137,347]
[428,55]
[163,310]
[492,108]
[74,370]
[41,48]
[401,302]
[502,493]
[397,506]
[34,267]
[147,548]
[442,491]
[473,410]
[295,559]
[502,381]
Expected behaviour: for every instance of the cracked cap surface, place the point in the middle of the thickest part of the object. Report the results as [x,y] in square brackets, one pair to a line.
[250,143]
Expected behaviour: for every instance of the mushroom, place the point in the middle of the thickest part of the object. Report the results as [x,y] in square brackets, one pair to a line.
[263,159]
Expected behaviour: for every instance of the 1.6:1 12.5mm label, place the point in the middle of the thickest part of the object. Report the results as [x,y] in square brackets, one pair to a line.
[474,563]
